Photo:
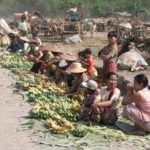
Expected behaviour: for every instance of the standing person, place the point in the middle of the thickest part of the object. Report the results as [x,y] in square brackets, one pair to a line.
[106,106]
[88,62]
[109,55]
[22,26]
[137,102]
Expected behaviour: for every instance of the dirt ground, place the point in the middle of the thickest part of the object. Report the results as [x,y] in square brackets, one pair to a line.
[11,108]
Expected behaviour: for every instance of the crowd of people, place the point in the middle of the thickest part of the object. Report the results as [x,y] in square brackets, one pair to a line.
[101,101]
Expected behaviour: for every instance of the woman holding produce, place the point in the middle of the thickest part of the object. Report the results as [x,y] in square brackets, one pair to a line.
[137,102]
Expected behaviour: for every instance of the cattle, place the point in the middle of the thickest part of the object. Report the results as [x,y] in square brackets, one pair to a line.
[133,60]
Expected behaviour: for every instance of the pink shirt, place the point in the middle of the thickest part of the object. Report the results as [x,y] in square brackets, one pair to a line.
[144,104]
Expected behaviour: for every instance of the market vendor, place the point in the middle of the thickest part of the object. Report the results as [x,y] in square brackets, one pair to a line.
[32,49]
[16,43]
[64,65]
[25,42]
[77,71]
[42,57]
[106,106]
[90,87]
[35,37]
[137,102]
[53,63]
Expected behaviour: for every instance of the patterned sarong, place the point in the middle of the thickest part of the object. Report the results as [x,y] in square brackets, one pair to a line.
[133,113]
[108,67]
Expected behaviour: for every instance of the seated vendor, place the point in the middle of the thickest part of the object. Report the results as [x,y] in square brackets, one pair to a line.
[106,105]
[16,43]
[25,41]
[53,63]
[137,102]
[77,71]
[34,37]
[32,49]
[64,65]
[90,87]
[42,58]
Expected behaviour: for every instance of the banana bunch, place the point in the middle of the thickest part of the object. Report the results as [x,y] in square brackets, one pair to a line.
[41,111]
[25,87]
[54,106]
[78,97]
[34,91]
[63,85]
[69,115]
[59,125]
[75,106]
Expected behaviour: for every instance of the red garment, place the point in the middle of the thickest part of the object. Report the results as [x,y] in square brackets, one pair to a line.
[108,67]
[90,69]
[109,97]
[82,15]
[42,67]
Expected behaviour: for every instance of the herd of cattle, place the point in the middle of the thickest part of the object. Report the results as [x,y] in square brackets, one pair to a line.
[131,58]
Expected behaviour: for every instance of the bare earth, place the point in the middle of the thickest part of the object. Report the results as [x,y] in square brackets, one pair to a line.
[11,108]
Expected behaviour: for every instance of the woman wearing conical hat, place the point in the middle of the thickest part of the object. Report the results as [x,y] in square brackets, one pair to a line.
[63,67]
[77,71]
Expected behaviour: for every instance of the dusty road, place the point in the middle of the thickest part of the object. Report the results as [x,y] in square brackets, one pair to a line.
[11,109]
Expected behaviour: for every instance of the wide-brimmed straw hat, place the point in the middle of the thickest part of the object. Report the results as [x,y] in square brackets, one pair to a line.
[68,57]
[24,38]
[52,48]
[76,68]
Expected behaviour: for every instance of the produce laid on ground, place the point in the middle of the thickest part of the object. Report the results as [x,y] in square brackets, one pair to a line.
[56,117]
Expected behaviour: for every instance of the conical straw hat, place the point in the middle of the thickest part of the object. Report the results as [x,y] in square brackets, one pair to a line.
[52,48]
[76,68]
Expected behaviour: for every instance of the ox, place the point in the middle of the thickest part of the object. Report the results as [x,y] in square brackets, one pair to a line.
[133,60]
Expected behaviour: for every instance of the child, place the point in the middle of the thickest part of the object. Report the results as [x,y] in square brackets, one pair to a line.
[88,62]
[109,55]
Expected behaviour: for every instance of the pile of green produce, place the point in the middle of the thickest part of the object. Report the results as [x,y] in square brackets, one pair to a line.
[60,114]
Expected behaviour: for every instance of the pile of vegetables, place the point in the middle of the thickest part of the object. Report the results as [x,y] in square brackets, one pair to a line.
[49,103]
[59,113]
